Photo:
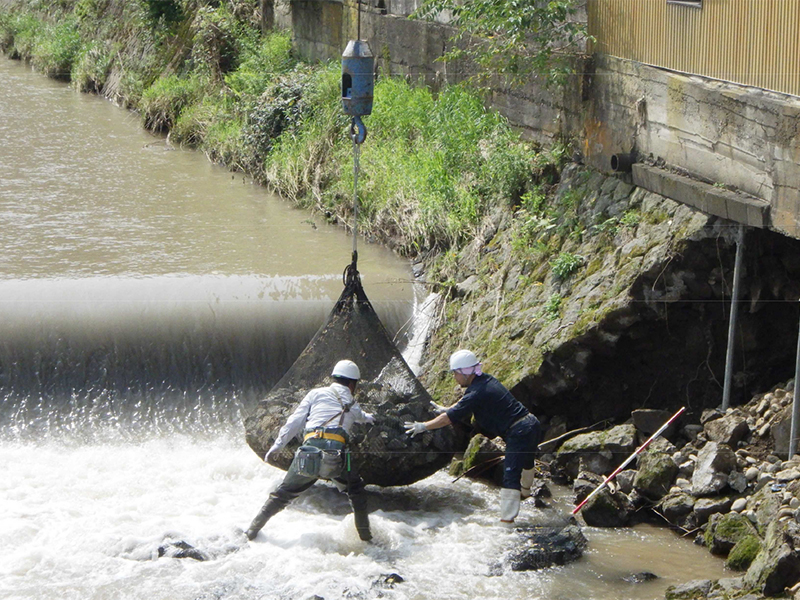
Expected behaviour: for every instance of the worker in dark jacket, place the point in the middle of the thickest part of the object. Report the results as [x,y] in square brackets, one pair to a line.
[498,413]
[324,419]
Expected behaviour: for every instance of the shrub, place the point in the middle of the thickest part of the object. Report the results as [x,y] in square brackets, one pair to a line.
[162,103]
[165,12]
[56,49]
[565,264]
[262,62]
[25,29]
[552,308]
[91,67]
[217,41]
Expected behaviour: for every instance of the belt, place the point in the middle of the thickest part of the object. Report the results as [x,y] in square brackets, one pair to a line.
[515,423]
[325,436]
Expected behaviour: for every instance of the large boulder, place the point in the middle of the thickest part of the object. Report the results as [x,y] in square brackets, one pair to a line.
[729,429]
[724,531]
[711,473]
[542,547]
[608,510]
[777,566]
[704,508]
[743,553]
[696,589]
[676,507]
[765,504]
[657,472]
[597,451]
[482,459]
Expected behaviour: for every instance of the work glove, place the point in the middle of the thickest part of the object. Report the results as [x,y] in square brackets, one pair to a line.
[438,408]
[370,419]
[414,427]
[271,452]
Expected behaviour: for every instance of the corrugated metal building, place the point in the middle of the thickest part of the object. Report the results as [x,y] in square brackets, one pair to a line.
[750,42]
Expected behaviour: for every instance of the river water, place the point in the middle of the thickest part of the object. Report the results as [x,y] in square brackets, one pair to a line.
[147,299]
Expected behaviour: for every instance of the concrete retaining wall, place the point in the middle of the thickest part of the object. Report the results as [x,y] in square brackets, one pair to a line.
[743,138]
[728,134]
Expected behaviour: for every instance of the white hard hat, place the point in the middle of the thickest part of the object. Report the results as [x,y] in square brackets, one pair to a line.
[347,369]
[461,359]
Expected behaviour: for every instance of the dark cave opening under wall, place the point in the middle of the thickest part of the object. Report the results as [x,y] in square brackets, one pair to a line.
[667,349]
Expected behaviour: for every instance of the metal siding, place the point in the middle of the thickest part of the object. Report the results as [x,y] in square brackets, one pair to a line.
[752,42]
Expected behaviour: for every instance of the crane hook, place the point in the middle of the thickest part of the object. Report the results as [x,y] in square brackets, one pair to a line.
[361,135]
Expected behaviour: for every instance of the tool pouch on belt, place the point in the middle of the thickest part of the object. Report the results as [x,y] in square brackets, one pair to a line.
[331,464]
[321,456]
[307,461]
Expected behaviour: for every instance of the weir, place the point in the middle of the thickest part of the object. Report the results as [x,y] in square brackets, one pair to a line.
[142,285]
[135,345]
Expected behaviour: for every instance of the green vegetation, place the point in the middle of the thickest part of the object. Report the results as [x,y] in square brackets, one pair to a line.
[743,553]
[513,39]
[432,169]
[435,165]
[631,218]
[552,308]
[565,264]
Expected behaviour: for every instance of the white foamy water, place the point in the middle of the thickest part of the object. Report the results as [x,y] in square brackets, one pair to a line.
[87,521]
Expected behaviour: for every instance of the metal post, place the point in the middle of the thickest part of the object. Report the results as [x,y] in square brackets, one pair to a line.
[795,403]
[737,275]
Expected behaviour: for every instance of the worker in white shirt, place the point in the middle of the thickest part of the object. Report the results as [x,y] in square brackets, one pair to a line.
[324,418]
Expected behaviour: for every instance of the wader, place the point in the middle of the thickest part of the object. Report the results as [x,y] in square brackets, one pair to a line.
[333,441]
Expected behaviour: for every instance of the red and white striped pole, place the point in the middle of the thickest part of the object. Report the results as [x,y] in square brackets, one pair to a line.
[639,450]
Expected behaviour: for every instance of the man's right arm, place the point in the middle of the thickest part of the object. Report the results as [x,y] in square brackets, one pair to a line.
[294,424]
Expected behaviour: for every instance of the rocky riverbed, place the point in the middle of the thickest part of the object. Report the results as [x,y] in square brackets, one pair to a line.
[724,482]
[604,316]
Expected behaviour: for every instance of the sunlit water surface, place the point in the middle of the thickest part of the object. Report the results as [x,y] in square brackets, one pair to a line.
[86,521]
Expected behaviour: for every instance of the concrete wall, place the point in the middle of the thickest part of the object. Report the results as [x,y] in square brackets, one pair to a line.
[729,134]
[742,137]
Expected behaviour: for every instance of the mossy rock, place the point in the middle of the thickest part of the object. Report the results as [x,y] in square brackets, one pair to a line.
[742,554]
[692,590]
[456,468]
[608,510]
[656,473]
[480,450]
[725,531]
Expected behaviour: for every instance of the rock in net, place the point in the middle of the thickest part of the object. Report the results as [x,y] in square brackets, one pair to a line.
[385,454]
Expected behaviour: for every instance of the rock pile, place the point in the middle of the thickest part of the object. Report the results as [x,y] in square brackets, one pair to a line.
[726,480]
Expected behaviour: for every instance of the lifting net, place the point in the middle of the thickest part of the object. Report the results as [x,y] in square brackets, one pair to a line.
[388,389]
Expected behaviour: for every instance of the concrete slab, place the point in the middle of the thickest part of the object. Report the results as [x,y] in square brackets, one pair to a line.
[710,199]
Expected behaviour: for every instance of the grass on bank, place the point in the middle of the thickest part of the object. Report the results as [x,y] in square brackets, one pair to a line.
[432,168]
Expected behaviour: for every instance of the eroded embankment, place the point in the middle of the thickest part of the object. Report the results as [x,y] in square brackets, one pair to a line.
[616,299]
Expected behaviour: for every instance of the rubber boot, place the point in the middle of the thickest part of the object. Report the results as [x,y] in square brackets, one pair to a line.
[526,481]
[361,515]
[269,510]
[509,504]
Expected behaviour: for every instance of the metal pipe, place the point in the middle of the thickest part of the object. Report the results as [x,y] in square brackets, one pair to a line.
[737,275]
[622,163]
[795,403]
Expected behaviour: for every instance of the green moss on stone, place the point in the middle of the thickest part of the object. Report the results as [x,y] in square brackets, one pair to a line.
[743,553]
[733,527]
